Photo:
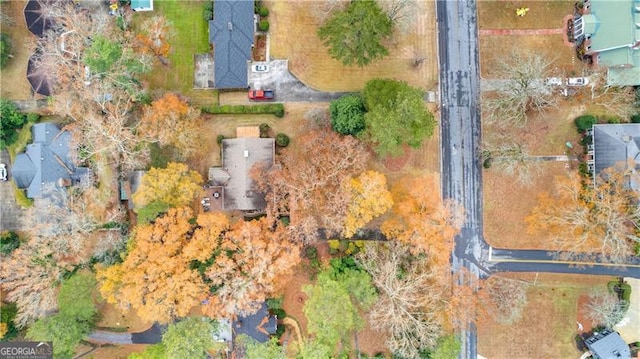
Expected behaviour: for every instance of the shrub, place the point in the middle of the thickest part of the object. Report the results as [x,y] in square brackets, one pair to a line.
[282,140]
[635,118]
[264,130]
[5,50]
[219,139]
[207,12]
[263,11]
[8,313]
[585,122]
[347,115]
[263,25]
[9,241]
[311,252]
[286,220]
[276,109]
[614,120]
[12,120]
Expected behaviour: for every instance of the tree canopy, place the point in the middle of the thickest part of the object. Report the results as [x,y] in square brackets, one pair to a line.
[156,277]
[396,115]
[5,50]
[189,338]
[354,35]
[174,185]
[102,54]
[333,309]
[368,199]
[347,115]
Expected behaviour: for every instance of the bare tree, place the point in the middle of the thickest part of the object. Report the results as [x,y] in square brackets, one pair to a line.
[324,8]
[410,299]
[524,89]
[513,159]
[401,12]
[617,100]
[504,299]
[605,308]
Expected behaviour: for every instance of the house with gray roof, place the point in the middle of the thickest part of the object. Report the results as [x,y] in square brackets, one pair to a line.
[239,156]
[607,344]
[610,33]
[46,161]
[231,34]
[259,326]
[615,145]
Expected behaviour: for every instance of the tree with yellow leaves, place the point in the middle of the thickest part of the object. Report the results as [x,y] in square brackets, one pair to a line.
[174,186]
[156,278]
[250,266]
[170,121]
[584,219]
[369,198]
[422,220]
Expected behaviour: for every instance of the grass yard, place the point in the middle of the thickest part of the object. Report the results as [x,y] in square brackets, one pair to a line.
[13,82]
[548,325]
[191,37]
[293,36]
[493,49]
[541,15]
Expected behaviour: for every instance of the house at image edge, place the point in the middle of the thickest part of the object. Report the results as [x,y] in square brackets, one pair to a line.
[231,34]
[46,161]
[608,344]
[615,145]
[610,32]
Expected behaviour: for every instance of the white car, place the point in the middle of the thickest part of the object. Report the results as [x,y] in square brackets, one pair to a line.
[577,81]
[554,81]
[3,172]
[260,68]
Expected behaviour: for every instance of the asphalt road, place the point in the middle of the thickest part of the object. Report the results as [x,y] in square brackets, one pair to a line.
[460,135]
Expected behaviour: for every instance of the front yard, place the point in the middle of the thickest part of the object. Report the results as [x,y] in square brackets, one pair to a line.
[293,33]
[548,324]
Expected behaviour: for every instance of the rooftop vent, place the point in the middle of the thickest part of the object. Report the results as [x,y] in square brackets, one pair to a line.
[246,153]
[626,138]
[229,26]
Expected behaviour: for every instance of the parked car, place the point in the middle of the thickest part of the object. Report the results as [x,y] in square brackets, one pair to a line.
[577,81]
[260,68]
[259,95]
[3,172]
[553,81]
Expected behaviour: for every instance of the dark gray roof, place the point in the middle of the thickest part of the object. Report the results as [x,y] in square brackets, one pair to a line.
[46,160]
[239,155]
[608,345]
[231,33]
[616,144]
[259,326]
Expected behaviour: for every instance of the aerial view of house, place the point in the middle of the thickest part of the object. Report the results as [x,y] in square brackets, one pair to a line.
[320,179]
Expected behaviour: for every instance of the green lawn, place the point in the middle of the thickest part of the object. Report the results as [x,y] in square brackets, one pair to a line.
[191,36]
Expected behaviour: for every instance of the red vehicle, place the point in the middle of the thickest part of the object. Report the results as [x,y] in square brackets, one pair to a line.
[258,95]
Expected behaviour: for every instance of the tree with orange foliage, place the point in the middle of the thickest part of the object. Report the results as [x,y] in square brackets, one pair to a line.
[368,198]
[170,121]
[156,278]
[155,35]
[251,262]
[309,187]
[585,219]
[174,185]
[422,220]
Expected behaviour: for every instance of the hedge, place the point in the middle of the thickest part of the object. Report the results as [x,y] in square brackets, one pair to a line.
[585,122]
[276,109]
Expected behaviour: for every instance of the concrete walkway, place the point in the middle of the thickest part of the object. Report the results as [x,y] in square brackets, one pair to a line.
[521,32]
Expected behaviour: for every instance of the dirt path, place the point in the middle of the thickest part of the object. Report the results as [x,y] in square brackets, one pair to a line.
[296,328]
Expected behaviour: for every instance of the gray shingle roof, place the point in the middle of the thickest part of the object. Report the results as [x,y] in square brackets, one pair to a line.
[239,155]
[46,160]
[231,33]
[608,345]
[259,326]
[616,144]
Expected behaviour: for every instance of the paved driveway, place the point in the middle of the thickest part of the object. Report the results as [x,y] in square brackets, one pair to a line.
[9,209]
[287,87]
[629,327]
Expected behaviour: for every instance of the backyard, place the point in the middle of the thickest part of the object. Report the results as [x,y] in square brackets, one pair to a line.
[555,296]
[191,36]
[293,33]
